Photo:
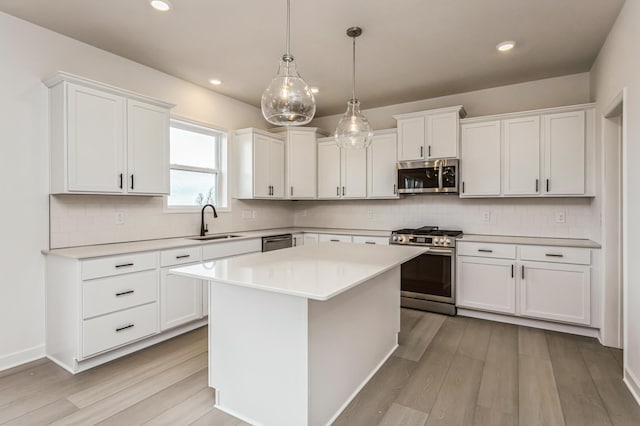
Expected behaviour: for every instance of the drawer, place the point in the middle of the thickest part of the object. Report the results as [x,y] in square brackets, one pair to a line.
[180,256]
[231,248]
[371,240]
[499,251]
[105,295]
[117,265]
[113,330]
[336,238]
[573,255]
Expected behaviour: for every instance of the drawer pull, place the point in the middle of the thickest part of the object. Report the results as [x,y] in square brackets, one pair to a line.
[335,241]
[369,242]
[554,255]
[124,265]
[522,272]
[485,251]
[123,293]
[512,268]
[183,256]
[119,329]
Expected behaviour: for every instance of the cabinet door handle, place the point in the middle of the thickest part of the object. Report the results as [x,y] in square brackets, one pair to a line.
[395,189]
[485,251]
[512,270]
[369,242]
[338,191]
[522,275]
[343,191]
[554,255]
[463,187]
[131,181]
[547,185]
[124,265]
[183,256]
[429,151]
[119,329]
[123,293]
[335,241]
[121,180]
[536,185]
[292,191]
[421,151]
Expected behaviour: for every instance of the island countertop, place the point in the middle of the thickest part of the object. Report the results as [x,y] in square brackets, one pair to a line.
[318,272]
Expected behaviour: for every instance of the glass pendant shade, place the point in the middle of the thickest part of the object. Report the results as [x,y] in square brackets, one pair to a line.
[353,130]
[288,100]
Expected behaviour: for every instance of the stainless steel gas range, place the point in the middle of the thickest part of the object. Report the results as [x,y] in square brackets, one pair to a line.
[428,281]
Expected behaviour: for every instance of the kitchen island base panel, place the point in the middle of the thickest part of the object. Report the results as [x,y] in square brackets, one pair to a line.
[277,359]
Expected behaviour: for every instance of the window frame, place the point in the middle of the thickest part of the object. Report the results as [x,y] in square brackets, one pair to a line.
[221,150]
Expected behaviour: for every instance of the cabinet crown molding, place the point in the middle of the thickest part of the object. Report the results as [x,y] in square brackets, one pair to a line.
[61,77]
[252,130]
[458,108]
[285,130]
[554,110]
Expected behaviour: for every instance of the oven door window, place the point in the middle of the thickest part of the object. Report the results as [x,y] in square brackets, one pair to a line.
[418,179]
[428,275]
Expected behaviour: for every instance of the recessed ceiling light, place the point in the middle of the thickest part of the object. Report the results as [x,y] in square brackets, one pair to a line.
[506,46]
[161,5]
[314,90]
[215,82]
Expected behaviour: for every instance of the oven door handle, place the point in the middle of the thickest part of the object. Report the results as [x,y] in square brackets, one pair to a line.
[446,252]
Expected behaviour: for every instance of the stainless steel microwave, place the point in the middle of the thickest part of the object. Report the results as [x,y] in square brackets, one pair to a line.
[419,177]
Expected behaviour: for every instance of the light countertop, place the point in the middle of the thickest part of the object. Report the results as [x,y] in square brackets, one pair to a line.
[318,271]
[533,241]
[100,250]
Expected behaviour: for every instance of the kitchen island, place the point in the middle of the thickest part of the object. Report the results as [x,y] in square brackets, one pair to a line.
[294,334]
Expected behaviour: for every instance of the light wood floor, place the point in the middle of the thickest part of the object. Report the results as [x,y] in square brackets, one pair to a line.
[447,371]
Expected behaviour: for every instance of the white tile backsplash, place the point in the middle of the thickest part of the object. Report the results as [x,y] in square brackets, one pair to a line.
[508,216]
[78,220]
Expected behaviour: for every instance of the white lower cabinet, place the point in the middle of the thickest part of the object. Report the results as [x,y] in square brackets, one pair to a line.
[297,239]
[557,292]
[487,284]
[358,239]
[540,282]
[334,238]
[310,238]
[180,299]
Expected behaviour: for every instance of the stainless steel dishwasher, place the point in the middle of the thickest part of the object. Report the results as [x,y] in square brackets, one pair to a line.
[277,242]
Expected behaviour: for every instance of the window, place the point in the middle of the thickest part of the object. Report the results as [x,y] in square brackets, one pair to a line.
[197,156]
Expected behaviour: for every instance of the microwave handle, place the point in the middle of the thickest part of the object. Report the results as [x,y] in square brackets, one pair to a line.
[440,185]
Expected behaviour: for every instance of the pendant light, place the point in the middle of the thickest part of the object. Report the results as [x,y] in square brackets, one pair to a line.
[288,100]
[353,130]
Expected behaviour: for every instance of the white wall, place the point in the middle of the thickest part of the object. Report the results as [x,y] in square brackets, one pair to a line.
[617,67]
[550,92]
[30,54]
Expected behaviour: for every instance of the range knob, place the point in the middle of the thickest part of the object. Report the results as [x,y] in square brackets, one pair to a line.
[436,241]
[447,242]
[394,238]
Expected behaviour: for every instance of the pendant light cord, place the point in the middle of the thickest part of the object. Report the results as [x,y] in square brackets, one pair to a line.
[288,27]
[353,77]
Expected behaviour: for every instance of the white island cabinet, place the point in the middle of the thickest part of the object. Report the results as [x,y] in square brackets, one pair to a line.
[294,334]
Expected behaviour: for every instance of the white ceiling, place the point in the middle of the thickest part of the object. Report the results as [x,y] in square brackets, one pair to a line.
[409,49]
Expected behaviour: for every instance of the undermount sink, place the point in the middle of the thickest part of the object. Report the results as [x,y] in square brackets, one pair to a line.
[215,237]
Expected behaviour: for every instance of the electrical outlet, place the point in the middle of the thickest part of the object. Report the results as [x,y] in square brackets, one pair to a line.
[119,218]
[561,217]
[486,216]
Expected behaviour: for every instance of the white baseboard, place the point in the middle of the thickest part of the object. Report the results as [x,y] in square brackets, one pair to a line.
[527,322]
[633,384]
[21,357]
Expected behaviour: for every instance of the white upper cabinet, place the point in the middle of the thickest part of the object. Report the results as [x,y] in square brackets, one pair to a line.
[480,163]
[429,134]
[342,173]
[547,152]
[102,135]
[260,165]
[381,165]
[329,168]
[147,148]
[521,151]
[564,153]
[301,162]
